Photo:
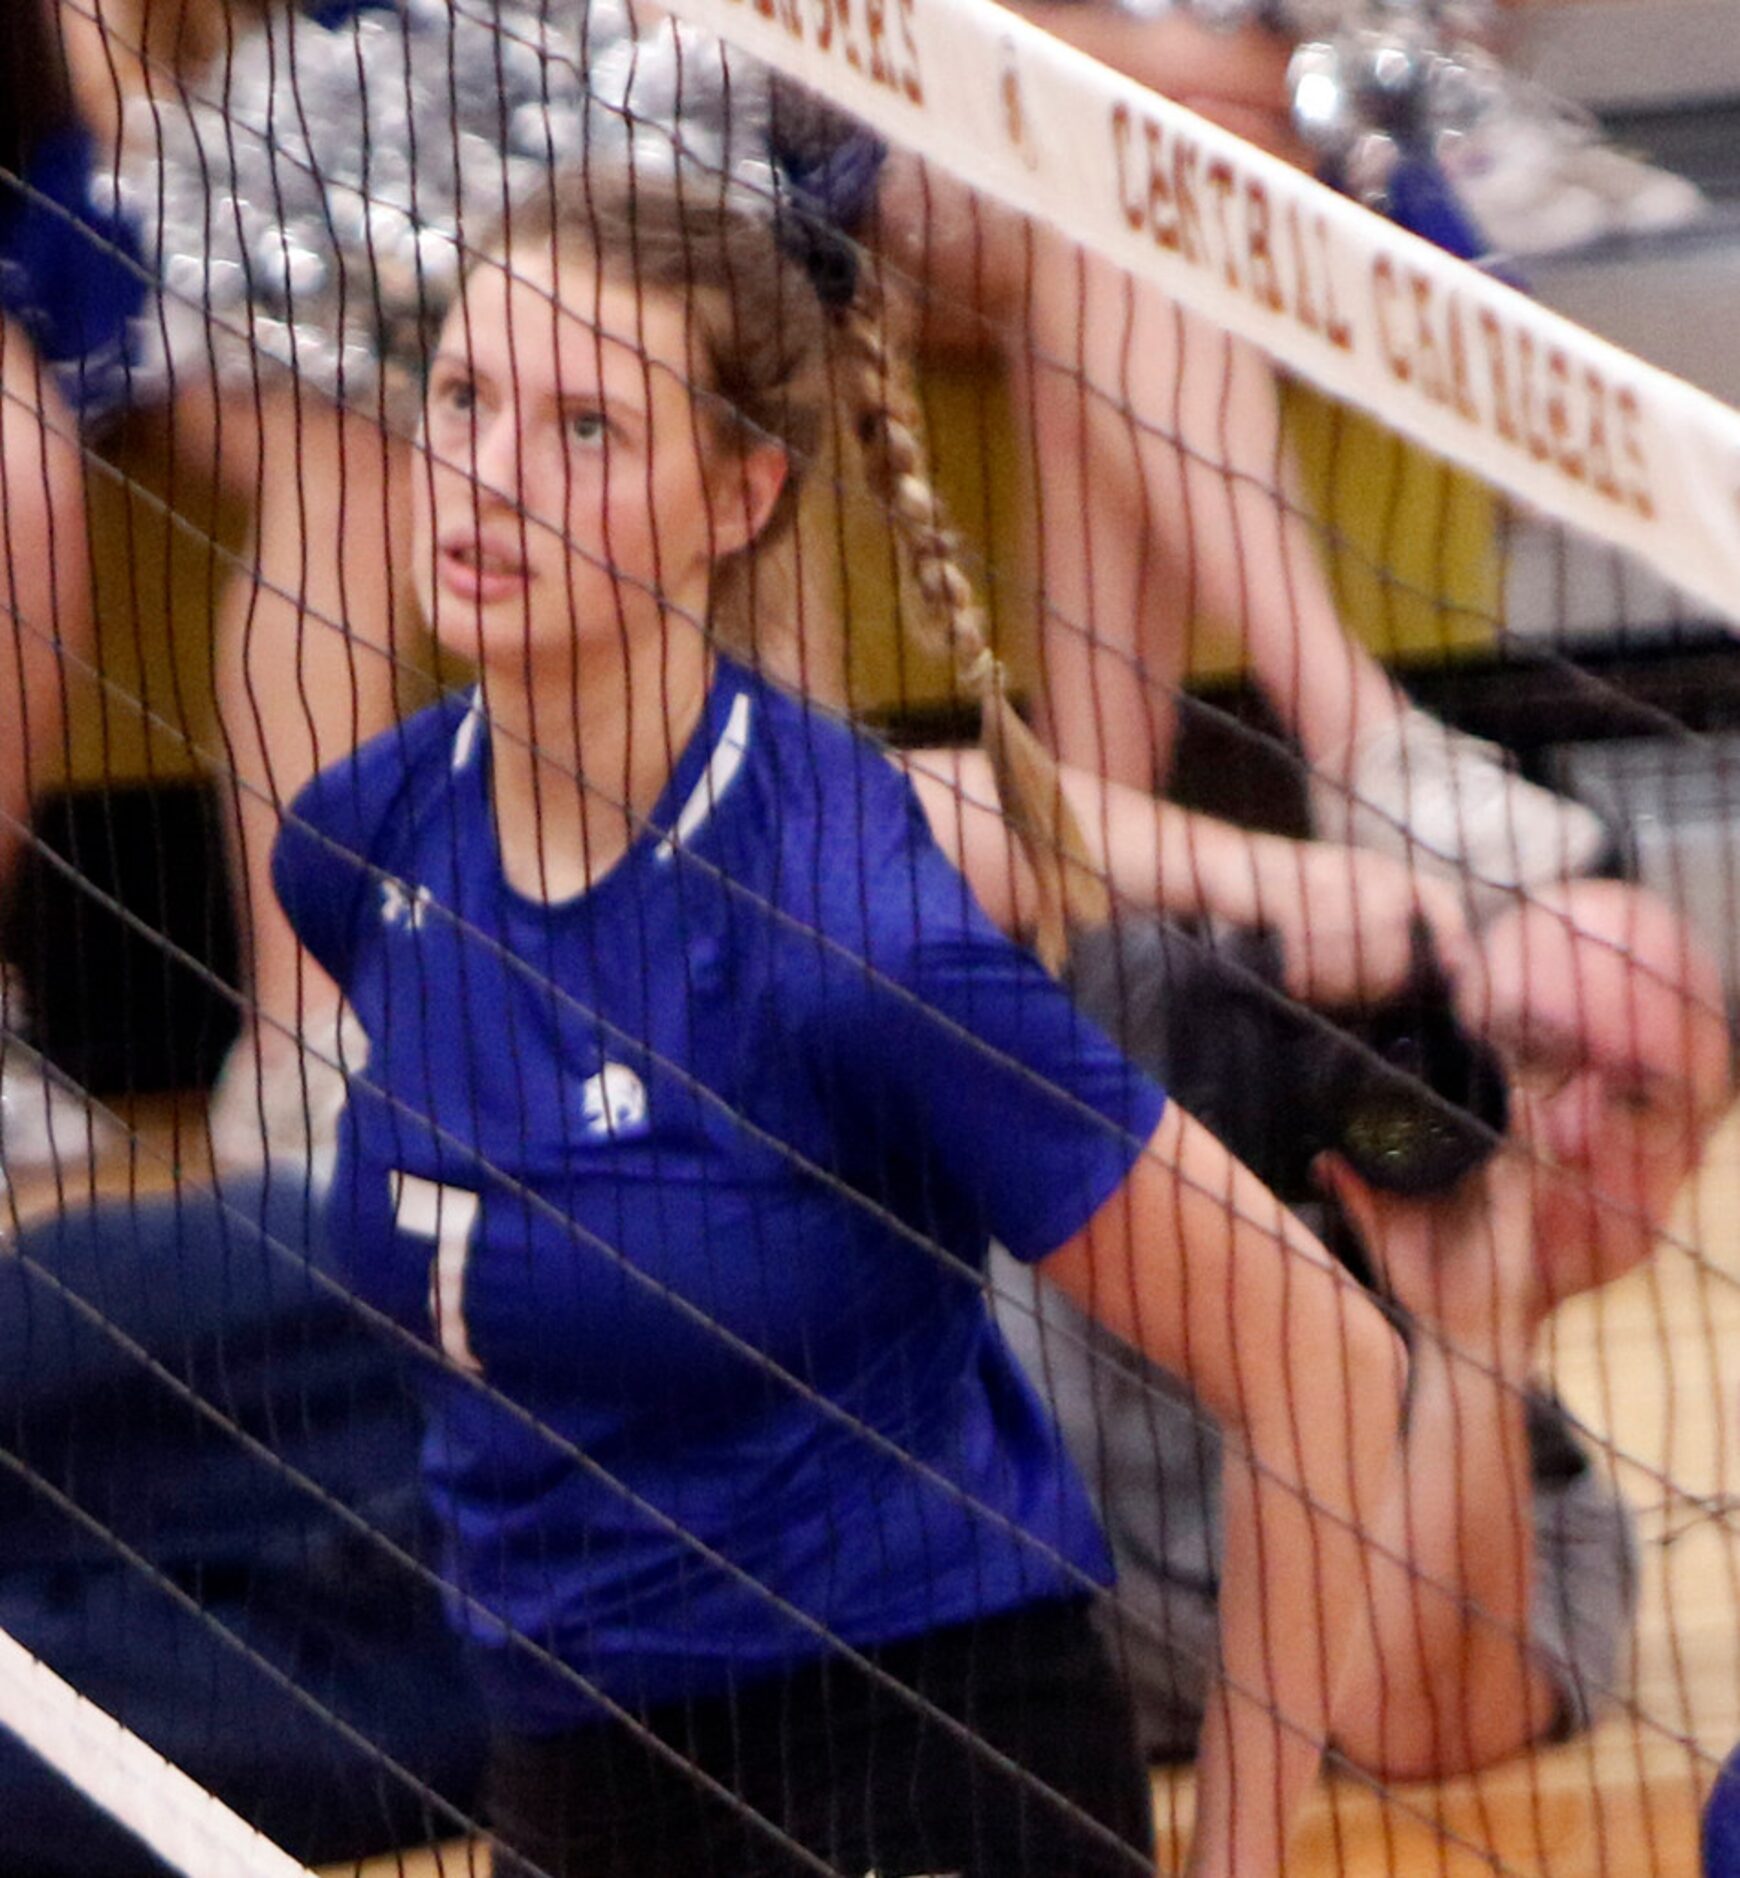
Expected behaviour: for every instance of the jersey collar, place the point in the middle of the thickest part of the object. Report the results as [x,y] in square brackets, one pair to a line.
[700,780]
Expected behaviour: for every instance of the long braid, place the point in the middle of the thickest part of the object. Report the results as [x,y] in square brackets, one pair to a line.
[889,428]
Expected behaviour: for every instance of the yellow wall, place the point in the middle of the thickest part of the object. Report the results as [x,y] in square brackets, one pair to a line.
[1413,545]
[155,583]
[849,557]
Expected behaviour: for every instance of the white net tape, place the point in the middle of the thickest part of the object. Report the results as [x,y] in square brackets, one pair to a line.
[186,1827]
[1438,350]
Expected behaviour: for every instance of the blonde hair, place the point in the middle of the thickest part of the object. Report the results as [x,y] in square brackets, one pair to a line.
[762,333]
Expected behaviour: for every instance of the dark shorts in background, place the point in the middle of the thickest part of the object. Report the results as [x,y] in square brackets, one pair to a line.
[851,1771]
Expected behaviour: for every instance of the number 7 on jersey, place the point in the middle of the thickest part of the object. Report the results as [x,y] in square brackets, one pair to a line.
[427,1210]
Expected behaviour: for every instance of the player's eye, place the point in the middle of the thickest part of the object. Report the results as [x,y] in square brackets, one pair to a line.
[586,427]
[454,392]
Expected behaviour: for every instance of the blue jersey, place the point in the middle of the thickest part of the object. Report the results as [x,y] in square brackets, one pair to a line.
[692,1180]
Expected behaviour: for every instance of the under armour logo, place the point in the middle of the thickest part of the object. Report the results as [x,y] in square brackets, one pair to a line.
[614,1102]
[402,908]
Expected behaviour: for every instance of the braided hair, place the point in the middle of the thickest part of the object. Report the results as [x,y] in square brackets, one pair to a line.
[889,429]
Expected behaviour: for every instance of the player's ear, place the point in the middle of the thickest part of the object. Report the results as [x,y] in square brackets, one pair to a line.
[746,486]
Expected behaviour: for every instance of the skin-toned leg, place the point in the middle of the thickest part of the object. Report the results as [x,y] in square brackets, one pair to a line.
[118,49]
[47,625]
[1161,484]
[1168,498]
[45,587]
[305,665]
[1164,494]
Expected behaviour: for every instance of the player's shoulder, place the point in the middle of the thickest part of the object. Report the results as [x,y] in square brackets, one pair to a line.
[824,769]
[386,781]
[362,817]
[853,853]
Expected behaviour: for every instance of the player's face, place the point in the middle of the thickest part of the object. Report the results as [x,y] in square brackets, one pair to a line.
[1618,1052]
[566,504]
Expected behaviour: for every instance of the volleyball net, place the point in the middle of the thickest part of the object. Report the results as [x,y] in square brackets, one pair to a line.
[1210,439]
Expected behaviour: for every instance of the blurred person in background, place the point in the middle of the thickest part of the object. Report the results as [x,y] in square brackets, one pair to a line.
[71,294]
[1504,1618]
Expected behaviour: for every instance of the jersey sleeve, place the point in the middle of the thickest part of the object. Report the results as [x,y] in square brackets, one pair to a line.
[964,1055]
[327,861]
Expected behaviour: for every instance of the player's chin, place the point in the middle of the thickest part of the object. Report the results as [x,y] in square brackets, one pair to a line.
[1584,1240]
[1626,1239]
[455,629]
[501,634]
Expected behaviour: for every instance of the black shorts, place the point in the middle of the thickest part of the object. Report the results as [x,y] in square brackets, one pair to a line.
[849,1769]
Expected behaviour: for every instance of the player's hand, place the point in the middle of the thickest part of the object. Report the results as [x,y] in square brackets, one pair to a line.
[1462,1263]
[1345,919]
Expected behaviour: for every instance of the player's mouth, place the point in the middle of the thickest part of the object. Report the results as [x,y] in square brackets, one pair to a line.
[483,568]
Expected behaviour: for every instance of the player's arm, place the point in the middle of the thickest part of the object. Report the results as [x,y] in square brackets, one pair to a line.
[1343,916]
[119,49]
[1442,1678]
[1194,1262]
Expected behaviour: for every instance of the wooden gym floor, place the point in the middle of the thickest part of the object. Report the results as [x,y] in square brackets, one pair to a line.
[1652,1366]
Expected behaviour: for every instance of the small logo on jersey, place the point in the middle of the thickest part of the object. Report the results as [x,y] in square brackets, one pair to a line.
[403,907]
[614,1103]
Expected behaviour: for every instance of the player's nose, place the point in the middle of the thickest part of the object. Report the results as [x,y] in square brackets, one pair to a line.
[497,459]
[1573,1120]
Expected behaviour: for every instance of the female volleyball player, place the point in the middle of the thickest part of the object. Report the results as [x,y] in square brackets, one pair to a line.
[355,141]
[697,1087]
